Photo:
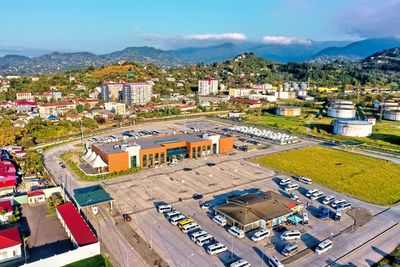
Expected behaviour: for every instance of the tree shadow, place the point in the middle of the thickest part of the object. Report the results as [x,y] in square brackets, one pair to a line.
[389,138]
[263,257]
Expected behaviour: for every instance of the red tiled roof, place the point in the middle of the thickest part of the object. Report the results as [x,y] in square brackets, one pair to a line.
[24,103]
[186,106]
[9,238]
[76,224]
[35,193]
[5,182]
[59,104]
[291,205]
[6,205]
[246,101]
[208,79]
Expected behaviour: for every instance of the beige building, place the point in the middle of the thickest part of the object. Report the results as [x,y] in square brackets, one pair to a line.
[208,86]
[117,108]
[24,95]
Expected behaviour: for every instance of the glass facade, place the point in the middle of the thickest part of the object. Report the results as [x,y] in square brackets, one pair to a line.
[214,148]
[144,161]
[162,157]
[133,162]
[151,159]
[193,152]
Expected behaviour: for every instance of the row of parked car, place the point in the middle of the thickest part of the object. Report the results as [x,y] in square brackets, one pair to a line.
[108,139]
[197,235]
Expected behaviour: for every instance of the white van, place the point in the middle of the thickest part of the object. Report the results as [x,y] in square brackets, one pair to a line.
[274,262]
[317,195]
[338,202]
[291,187]
[164,208]
[235,231]
[205,239]
[260,235]
[175,220]
[172,214]
[305,180]
[311,192]
[190,227]
[305,217]
[216,248]
[344,206]
[290,235]
[219,220]
[324,246]
[289,249]
[194,236]
[240,263]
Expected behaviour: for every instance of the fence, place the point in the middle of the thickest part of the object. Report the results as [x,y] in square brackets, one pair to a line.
[68,257]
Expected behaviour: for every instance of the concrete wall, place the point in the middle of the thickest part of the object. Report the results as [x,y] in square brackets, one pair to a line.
[225,145]
[68,257]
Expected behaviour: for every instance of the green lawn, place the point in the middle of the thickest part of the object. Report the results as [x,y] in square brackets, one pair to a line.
[385,134]
[96,261]
[366,178]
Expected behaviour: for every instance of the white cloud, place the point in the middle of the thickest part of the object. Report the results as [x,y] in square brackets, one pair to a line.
[285,40]
[234,36]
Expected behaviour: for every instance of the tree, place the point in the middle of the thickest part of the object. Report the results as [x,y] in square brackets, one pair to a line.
[79,108]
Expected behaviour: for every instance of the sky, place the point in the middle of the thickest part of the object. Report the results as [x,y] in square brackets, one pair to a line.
[103,26]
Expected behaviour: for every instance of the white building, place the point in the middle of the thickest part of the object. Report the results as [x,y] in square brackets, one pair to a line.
[6,210]
[117,108]
[208,86]
[10,245]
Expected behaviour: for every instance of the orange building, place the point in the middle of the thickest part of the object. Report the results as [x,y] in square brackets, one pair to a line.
[149,152]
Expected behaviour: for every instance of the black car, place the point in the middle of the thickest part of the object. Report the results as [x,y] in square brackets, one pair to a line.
[187,169]
[197,196]
[210,164]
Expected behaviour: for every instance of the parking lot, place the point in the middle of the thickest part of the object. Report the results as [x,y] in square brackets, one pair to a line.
[171,241]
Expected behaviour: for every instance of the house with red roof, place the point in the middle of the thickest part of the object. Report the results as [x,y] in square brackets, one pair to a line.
[186,107]
[10,245]
[6,210]
[76,227]
[36,196]
[7,185]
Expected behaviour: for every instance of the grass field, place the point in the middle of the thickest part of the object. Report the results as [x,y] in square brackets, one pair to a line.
[96,261]
[386,134]
[366,178]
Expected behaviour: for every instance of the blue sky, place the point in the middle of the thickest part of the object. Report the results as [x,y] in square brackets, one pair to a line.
[103,26]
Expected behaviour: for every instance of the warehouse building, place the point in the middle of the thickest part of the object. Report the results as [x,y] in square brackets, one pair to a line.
[251,211]
[354,128]
[155,151]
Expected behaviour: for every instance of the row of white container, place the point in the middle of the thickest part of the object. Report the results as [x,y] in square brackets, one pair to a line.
[274,137]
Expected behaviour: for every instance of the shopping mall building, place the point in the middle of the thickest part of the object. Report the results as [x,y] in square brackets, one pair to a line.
[154,151]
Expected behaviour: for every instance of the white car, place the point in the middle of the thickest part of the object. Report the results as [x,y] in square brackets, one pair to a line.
[323,246]
[311,192]
[240,263]
[293,196]
[219,220]
[284,182]
[260,235]
[235,231]
[336,203]
[291,187]
[194,236]
[317,195]
[328,200]
[274,262]
[216,248]
[290,235]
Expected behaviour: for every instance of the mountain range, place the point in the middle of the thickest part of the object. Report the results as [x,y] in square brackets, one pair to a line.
[316,52]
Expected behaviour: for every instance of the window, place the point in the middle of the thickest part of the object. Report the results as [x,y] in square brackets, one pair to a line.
[193,152]
[151,159]
[156,158]
[208,148]
[162,157]
[144,160]
[133,162]
[198,152]
[204,148]
[215,148]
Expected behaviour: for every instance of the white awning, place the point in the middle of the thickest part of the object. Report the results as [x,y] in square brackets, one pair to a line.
[97,163]
[91,157]
[87,155]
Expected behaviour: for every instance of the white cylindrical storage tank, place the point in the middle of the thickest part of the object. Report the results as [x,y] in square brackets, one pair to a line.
[289,111]
[342,102]
[353,128]
[392,114]
[343,113]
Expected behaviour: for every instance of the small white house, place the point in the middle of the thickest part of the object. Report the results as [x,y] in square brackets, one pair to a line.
[36,196]
[10,245]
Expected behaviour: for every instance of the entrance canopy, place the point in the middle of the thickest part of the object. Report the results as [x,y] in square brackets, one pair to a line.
[91,195]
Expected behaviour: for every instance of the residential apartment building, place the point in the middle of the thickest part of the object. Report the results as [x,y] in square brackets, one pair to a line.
[130,93]
[208,86]
[24,95]
[56,109]
[117,108]
[240,92]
